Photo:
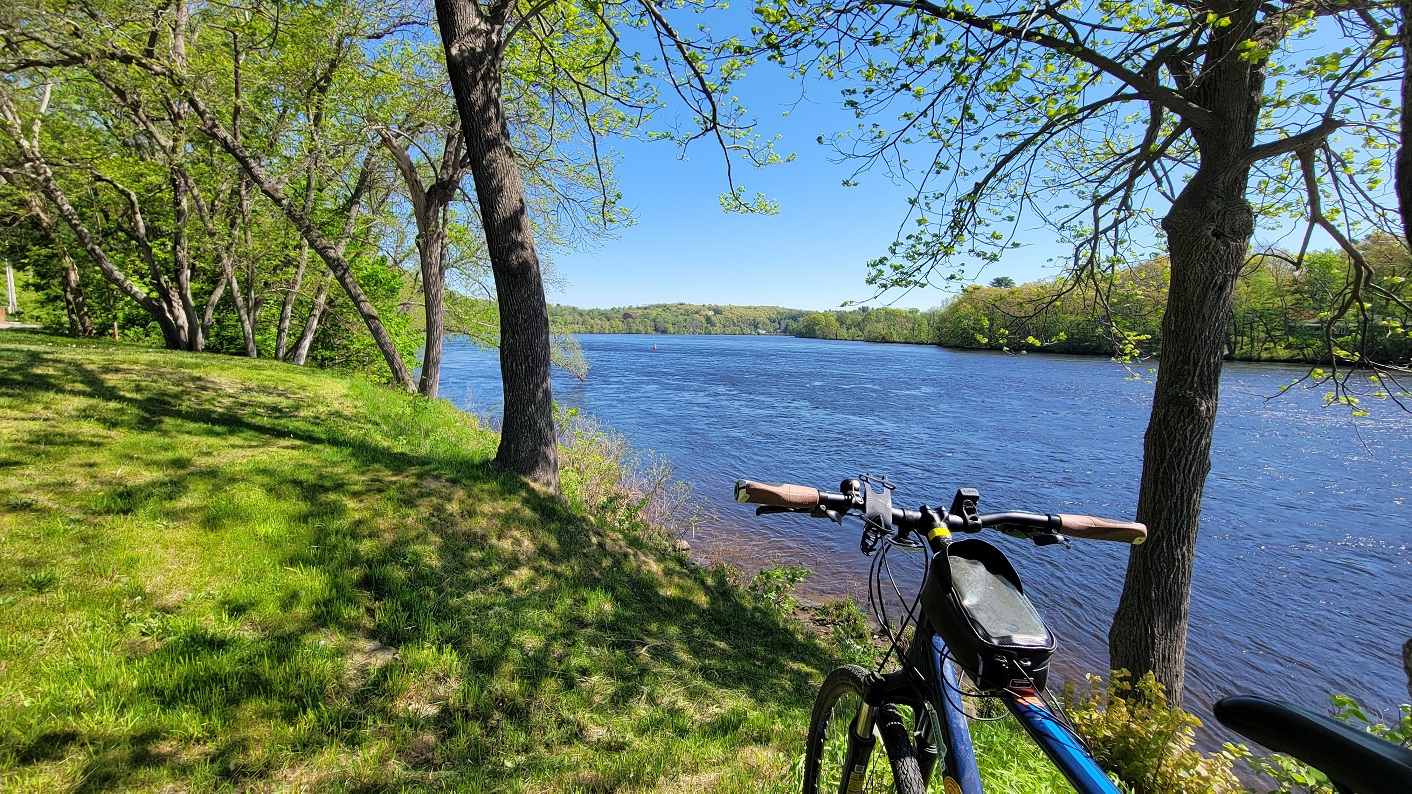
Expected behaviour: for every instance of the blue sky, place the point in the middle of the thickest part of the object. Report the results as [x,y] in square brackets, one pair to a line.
[812,255]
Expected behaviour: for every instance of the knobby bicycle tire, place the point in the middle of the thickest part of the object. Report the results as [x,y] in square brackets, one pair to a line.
[843,690]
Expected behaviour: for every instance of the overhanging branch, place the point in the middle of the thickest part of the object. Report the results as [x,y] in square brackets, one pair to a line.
[1150,89]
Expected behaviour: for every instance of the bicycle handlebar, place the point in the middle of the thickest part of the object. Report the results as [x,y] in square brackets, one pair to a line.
[1094,528]
[803,498]
[792,496]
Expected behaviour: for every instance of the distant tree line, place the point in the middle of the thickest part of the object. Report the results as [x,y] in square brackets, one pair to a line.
[1280,313]
[675,318]
[867,324]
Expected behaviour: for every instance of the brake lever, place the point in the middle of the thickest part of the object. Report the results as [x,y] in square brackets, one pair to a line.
[817,512]
[765,510]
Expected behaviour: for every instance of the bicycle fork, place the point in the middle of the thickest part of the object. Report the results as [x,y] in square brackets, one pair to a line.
[861,741]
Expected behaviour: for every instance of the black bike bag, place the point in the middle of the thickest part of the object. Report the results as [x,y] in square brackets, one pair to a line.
[975,600]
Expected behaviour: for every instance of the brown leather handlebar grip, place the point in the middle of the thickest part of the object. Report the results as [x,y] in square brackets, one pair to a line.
[1094,528]
[760,493]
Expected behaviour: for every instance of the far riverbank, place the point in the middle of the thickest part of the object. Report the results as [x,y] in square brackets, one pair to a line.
[1039,351]
[1302,343]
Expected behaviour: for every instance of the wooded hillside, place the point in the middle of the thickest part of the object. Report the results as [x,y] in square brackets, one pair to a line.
[675,318]
[1280,313]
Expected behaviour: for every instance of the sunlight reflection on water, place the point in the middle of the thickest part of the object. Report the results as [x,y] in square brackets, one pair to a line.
[1303,567]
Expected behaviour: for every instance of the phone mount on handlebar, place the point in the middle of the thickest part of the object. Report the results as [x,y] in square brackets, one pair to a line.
[877,510]
[964,507]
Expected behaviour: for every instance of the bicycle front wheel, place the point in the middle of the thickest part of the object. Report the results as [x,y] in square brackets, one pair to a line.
[834,752]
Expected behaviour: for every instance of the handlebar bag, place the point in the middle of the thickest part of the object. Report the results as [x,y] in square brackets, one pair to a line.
[977,603]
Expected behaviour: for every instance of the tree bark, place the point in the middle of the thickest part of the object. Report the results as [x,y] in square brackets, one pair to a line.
[311,327]
[471,40]
[183,303]
[1208,235]
[1402,175]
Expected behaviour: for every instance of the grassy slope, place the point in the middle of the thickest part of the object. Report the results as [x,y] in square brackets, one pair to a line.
[219,573]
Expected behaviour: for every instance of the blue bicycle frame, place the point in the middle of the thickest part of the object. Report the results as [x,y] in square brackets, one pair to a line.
[958,762]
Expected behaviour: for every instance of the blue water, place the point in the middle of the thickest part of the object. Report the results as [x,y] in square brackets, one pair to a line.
[1303,580]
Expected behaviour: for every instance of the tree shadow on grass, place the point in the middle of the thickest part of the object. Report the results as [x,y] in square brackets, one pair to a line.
[530,642]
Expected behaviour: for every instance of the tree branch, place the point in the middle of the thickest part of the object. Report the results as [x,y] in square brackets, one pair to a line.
[1149,87]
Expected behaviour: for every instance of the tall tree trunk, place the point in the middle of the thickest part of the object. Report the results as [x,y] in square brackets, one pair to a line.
[430,208]
[1208,231]
[316,316]
[1208,235]
[1403,170]
[430,249]
[286,309]
[527,442]
[80,323]
[183,303]
[210,315]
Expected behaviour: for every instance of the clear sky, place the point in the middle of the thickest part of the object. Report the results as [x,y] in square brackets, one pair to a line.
[812,255]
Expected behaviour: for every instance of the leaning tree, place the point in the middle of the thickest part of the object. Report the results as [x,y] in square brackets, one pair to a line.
[569,58]
[1122,125]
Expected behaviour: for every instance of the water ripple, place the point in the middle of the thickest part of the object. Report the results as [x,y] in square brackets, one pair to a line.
[1301,582]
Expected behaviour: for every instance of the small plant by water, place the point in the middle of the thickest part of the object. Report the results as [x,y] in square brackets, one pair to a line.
[776,585]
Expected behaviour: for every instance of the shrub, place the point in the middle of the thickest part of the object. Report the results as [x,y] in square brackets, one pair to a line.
[1132,732]
[602,474]
[777,584]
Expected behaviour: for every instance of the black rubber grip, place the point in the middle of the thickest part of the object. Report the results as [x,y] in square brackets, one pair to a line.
[1353,758]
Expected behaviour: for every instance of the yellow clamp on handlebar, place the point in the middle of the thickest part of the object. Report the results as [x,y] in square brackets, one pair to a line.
[939,532]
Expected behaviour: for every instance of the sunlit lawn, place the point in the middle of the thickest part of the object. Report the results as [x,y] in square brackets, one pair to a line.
[220,573]
[224,574]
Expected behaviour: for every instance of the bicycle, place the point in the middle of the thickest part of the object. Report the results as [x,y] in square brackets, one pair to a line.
[971,615]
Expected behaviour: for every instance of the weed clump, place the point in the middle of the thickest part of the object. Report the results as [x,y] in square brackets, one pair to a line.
[1150,746]
[604,476]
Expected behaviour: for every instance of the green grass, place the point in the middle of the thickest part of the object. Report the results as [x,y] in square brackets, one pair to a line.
[221,574]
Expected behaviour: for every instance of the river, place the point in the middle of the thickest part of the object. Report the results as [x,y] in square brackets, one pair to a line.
[1303,582]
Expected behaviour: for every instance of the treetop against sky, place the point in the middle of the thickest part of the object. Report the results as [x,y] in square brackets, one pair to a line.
[813,253]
